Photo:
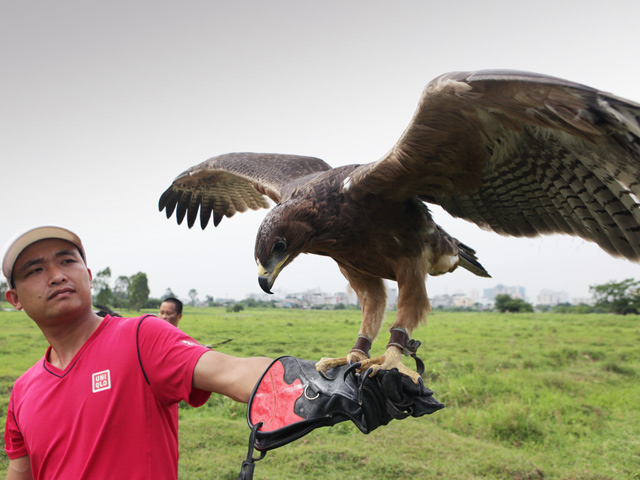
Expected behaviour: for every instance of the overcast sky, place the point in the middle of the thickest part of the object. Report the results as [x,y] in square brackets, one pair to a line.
[103,104]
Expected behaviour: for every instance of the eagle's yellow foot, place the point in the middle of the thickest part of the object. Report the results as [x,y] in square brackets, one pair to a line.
[325,363]
[391,359]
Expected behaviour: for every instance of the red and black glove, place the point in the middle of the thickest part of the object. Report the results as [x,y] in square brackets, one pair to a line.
[292,399]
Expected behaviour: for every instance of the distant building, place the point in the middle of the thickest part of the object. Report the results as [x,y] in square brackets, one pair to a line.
[513,292]
[582,300]
[392,298]
[261,297]
[225,301]
[462,300]
[345,299]
[315,298]
[550,297]
[441,301]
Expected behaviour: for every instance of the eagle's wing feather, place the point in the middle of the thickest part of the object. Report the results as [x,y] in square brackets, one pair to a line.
[521,154]
[235,182]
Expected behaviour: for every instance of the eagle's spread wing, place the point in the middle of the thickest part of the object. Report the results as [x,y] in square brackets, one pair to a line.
[233,183]
[521,154]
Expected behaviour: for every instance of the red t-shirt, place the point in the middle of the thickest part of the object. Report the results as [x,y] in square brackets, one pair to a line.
[113,412]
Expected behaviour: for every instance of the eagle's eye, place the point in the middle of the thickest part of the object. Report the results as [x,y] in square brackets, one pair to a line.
[279,246]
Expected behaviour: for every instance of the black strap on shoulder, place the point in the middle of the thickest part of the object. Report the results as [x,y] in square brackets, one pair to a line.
[138,348]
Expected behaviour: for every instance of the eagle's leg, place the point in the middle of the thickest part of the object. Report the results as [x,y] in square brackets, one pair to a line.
[373,300]
[413,306]
[392,357]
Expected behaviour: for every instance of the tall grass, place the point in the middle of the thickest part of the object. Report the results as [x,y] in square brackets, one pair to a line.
[528,396]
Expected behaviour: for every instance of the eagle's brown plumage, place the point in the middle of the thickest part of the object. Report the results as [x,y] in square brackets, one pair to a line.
[518,153]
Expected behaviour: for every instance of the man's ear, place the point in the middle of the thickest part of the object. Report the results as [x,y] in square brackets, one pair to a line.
[12,297]
[90,278]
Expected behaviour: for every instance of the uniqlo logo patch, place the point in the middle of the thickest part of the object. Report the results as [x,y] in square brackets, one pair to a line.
[101,381]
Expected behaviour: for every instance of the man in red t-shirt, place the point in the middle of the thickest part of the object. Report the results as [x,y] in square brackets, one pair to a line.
[102,402]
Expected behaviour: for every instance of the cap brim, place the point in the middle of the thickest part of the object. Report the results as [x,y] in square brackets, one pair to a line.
[23,240]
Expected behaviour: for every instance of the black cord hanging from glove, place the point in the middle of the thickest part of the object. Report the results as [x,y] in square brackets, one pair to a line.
[248,465]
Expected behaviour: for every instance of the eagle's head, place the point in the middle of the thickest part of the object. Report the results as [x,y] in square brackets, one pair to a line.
[282,236]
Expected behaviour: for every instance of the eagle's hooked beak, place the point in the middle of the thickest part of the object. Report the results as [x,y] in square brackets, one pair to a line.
[267,276]
[265,284]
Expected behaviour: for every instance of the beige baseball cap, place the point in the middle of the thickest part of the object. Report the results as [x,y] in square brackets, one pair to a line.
[17,244]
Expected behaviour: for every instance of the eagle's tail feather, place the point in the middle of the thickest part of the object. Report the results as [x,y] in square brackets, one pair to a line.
[469,261]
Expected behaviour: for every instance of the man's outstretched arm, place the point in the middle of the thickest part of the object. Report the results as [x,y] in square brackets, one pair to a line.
[234,377]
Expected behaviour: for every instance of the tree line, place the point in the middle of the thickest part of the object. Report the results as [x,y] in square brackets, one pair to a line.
[127,292]
[619,297]
[132,292]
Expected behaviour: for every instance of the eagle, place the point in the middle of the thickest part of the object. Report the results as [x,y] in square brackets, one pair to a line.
[516,153]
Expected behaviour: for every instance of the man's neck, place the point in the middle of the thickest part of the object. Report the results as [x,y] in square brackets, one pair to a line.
[68,338]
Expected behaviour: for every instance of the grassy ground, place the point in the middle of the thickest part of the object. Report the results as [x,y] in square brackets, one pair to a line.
[528,396]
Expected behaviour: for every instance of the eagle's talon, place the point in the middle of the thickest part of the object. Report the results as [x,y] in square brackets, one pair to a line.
[323,373]
[368,367]
[365,380]
[353,367]
[371,371]
[325,363]
[392,359]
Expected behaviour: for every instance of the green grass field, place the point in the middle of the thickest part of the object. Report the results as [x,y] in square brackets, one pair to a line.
[528,396]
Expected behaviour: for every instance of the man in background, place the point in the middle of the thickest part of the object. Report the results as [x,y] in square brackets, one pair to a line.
[171,310]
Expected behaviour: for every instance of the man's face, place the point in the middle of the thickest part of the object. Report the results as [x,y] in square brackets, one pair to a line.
[168,312]
[51,281]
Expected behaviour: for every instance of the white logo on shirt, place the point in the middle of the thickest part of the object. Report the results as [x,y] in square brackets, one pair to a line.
[101,381]
[187,342]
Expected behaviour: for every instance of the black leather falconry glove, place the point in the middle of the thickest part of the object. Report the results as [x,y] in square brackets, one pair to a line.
[292,398]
